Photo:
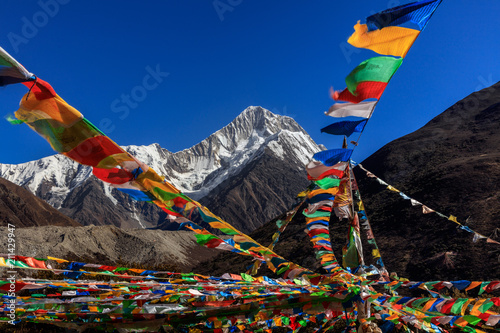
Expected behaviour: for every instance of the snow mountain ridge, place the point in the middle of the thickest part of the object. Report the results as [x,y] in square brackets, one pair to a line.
[196,171]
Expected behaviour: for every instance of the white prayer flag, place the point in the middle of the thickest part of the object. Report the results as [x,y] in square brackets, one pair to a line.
[415,202]
[340,110]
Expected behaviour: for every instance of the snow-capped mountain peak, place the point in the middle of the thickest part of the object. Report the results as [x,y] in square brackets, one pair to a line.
[196,171]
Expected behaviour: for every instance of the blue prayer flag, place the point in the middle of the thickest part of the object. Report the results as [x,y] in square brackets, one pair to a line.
[333,156]
[417,12]
[345,127]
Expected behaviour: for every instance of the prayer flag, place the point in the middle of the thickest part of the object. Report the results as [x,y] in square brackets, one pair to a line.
[364,90]
[376,69]
[417,12]
[345,127]
[333,156]
[341,110]
[427,210]
[395,41]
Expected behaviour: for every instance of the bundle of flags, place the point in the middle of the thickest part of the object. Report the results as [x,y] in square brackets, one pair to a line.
[390,33]
[384,34]
[146,300]
[320,202]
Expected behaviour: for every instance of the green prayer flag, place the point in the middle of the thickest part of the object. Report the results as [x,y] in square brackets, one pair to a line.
[457,307]
[418,302]
[285,321]
[483,285]
[327,183]
[120,269]
[378,69]
[473,320]
[247,277]
[468,329]
[317,213]
[203,239]
[486,306]
[166,196]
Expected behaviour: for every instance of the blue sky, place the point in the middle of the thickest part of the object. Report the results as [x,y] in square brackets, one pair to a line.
[211,64]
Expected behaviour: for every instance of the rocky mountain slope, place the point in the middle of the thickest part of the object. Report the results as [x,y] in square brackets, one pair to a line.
[452,164]
[20,208]
[109,245]
[270,150]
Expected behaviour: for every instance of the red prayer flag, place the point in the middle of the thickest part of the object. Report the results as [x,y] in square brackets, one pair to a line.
[364,90]
[41,89]
[94,150]
[113,176]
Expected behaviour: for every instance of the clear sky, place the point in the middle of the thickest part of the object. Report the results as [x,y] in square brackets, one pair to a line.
[210,64]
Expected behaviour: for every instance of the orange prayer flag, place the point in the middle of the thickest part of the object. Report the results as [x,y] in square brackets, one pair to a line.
[473,285]
[395,41]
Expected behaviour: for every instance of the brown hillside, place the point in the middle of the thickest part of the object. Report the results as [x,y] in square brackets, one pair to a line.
[22,209]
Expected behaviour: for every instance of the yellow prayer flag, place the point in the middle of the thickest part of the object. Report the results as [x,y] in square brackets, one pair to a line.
[60,261]
[302,194]
[395,41]
[475,309]
[391,188]
[376,253]
[465,306]
[453,218]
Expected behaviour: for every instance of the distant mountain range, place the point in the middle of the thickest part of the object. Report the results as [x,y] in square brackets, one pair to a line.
[247,172]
